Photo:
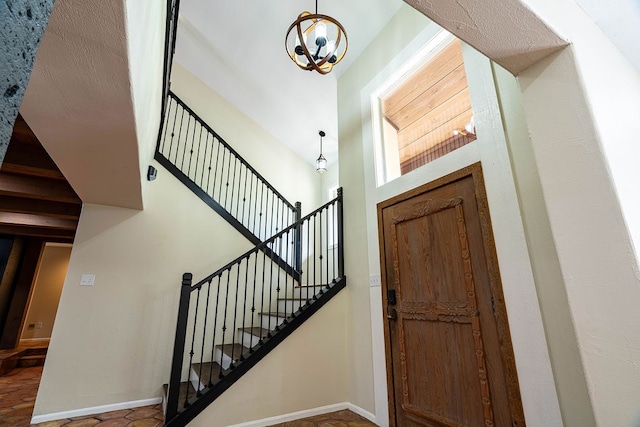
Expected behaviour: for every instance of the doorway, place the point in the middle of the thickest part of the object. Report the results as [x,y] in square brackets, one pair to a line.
[448,348]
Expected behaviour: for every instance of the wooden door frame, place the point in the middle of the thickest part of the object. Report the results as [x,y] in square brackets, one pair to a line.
[500,309]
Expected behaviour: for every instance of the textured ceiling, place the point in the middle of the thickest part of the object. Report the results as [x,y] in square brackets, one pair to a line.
[237,48]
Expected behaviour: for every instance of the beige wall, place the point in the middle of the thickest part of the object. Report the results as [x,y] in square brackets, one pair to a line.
[46,292]
[406,33]
[112,342]
[287,172]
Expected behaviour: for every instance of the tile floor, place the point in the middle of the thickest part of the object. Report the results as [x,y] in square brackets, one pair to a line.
[344,418]
[18,394]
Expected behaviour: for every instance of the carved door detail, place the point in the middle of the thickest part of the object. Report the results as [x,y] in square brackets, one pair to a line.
[449,354]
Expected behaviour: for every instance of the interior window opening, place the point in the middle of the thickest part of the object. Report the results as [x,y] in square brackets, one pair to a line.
[426,112]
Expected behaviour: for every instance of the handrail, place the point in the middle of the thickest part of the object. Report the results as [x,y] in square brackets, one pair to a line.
[228,147]
[173,8]
[248,294]
[196,154]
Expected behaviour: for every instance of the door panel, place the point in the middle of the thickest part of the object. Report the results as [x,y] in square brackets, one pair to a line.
[445,339]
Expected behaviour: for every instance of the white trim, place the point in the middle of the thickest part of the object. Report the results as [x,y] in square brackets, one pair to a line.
[37,419]
[308,413]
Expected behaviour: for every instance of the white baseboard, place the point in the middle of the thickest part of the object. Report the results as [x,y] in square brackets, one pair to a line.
[308,413]
[37,419]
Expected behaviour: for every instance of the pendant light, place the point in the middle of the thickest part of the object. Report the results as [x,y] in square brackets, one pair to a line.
[321,162]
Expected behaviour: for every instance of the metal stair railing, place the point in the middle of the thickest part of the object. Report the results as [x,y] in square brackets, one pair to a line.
[251,293]
[193,152]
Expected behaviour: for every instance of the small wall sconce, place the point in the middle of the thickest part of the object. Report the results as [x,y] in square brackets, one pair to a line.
[152,173]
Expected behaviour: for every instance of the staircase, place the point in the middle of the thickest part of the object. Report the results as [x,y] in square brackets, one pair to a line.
[231,319]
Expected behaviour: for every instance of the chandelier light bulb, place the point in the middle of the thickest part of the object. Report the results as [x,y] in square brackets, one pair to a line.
[321,34]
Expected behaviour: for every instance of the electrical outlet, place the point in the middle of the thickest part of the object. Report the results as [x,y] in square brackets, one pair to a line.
[39,325]
[87,279]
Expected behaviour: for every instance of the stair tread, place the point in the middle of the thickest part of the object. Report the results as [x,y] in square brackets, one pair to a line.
[35,351]
[256,331]
[233,350]
[275,313]
[297,299]
[207,370]
[184,388]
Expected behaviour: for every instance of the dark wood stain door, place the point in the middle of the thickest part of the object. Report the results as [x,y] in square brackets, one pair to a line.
[449,355]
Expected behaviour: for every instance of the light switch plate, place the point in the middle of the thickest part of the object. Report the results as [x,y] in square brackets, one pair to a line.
[375,281]
[87,279]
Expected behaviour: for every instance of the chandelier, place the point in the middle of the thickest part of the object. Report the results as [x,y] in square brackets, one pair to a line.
[315,44]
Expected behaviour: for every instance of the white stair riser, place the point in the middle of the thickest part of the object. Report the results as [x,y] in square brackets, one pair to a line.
[246,339]
[305,292]
[290,306]
[270,322]
[221,358]
[195,379]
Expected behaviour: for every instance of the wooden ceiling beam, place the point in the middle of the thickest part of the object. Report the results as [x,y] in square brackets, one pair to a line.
[54,235]
[33,220]
[36,188]
[18,169]
[43,207]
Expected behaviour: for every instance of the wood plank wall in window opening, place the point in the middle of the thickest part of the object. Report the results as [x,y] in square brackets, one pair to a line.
[431,110]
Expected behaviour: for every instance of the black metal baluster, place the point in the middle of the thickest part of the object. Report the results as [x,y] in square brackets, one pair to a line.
[253,296]
[215,172]
[279,244]
[244,305]
[204,334]
[215,329]
[193,340]
[255,206]
[261,209]
[178,140]
[286,277]
[193,143]
[166,125]
[238,191]
[226,191]
[233,186]
[204,162]
[264,261]
[224,154]
[224,321]
[271,283]
[244,194]
[186,136]
[195,172]
[235,317]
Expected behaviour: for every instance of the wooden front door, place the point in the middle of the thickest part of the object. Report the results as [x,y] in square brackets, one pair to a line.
[449,355]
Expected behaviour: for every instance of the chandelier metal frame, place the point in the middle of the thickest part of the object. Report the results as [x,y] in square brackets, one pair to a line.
[300,53]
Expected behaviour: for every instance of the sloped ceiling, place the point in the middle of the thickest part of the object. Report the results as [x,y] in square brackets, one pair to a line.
[238,49]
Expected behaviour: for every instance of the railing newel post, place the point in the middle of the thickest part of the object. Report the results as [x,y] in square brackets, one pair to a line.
[340,235]
[178,348]
[297,239]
